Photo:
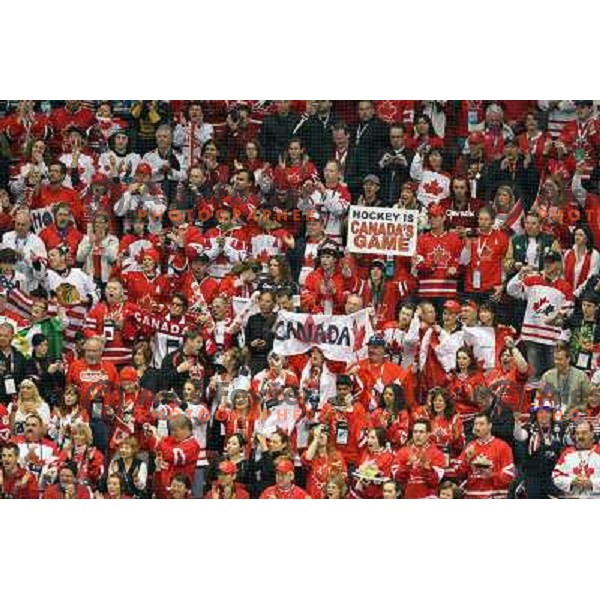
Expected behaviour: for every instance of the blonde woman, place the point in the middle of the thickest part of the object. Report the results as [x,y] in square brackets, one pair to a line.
[28,402]
[88,459]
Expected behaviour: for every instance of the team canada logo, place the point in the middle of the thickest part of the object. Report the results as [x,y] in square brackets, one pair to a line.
[543,306]
[433,188]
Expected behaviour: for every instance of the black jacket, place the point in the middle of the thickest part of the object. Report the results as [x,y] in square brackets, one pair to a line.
[168,376]
[523,181]
[369,145]
[11,367]
[394,174]
[275,134]
[317,135]
[50,385]
[259,327]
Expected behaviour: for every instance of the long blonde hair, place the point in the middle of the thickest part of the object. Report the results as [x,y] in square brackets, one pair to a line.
[37,398]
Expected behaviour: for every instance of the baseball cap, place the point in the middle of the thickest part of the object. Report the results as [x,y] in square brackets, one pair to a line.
[376,341]
[436,210]
[128,374]
[452,305]
[372,178]
[143,169]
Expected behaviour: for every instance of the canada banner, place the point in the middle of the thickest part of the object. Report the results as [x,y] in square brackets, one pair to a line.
[390,231]
[341,338]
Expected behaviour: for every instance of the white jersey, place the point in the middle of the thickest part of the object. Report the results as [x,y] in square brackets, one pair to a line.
[545,300]
[82,283]
[575,463]
[85,166]
[126,165]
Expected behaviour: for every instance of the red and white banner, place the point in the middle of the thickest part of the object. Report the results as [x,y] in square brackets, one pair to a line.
[390,231]
[340,337]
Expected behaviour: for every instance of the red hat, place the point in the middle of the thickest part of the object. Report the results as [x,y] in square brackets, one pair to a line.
[151,253]
[143,169]
[452,305]
[193,253]
[285,466]
[129,374]
[477,137]
[470,303]
[228,467]
[98,179]
[436,210]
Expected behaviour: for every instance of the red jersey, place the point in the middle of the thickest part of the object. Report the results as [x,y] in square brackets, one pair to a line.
[293,177]
[90,377]
[20,132]
[199,293]
[396,111]
[487,483]
[101,319]
[383,461]
[419,470]
[437,254]
[49,195]
[462,387]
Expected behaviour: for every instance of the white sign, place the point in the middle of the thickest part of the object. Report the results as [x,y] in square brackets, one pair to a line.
[389,231]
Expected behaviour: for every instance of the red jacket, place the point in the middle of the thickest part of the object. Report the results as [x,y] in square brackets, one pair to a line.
[487,253]
[396,428]
[22,485]
[502,471]
[89,461]
[312,298]
[354,422]
[203,291]
[53,237]
[419,470]
[144,291]
[276,493]
[53,492]
[320,469]
[178,458]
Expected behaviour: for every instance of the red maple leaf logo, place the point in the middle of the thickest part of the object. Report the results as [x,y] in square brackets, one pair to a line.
[387,111]
[359,335]
[433,188]
[440,256]
[539,303]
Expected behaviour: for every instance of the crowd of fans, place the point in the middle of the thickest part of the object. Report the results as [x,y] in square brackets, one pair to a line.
[148,246]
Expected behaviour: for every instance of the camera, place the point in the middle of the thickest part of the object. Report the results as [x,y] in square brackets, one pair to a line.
[234,114]
[313,398]
[471,233]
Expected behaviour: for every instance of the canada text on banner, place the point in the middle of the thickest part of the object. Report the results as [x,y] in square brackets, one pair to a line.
[390,231]
[342,337]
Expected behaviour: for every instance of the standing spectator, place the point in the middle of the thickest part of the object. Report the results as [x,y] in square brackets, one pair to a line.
[315,130]
[191,133]
[147,116]
[15,481]
[259,332]
[426,169]
[369,138]
[119,161]
[28,247]
[394,164]
[276,131]
[284,489]
[12,364]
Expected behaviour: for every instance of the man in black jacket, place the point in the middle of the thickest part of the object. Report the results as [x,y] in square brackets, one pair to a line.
[369,138]
[316,131]
[503,420]
[182,364]
[259,332]
[12,365]
[277,130]
[394,165]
